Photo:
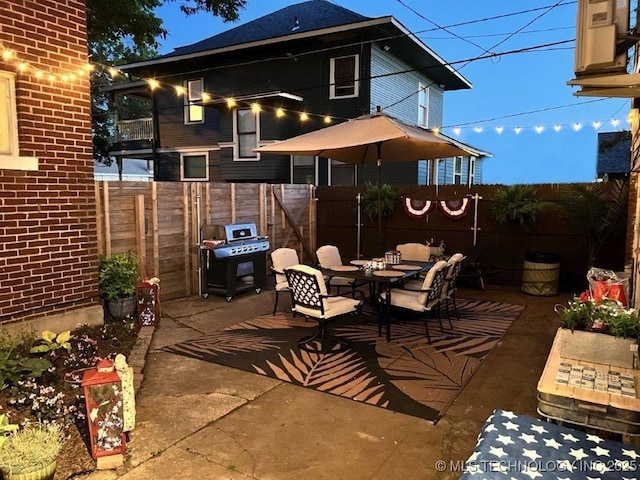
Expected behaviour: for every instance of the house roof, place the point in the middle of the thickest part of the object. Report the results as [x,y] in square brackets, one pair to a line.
[311,15]
[309,20]
[614,152]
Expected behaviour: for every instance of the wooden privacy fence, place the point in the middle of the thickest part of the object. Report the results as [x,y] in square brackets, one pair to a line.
[163,222]
[503,246]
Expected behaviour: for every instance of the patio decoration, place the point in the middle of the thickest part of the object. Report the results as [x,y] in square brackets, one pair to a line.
[455,209]
[148,302]
[104,401]
[415,208]
[405,375]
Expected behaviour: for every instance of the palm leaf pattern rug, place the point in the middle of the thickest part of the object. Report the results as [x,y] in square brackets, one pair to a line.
[405,375]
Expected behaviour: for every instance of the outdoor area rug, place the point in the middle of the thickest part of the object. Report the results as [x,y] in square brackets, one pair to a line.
[405,375]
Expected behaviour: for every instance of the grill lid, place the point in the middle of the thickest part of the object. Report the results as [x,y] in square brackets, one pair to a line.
[240,232]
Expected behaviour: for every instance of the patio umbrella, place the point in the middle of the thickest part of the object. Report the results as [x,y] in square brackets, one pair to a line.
[374,139]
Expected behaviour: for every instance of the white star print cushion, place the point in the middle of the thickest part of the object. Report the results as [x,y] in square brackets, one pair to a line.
[517,447]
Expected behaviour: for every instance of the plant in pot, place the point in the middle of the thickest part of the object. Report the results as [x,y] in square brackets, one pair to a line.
[118,276]
[31,453]
[387,200]
[519,206]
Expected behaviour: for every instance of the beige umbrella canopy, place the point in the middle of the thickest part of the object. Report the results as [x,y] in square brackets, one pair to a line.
[376,139]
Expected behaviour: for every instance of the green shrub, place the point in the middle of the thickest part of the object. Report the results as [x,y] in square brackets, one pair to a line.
[118,275]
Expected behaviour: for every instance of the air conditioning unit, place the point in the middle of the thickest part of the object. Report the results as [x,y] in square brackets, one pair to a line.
[599,26]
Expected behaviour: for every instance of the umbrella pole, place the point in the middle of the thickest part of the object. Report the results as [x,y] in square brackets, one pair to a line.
[379,165]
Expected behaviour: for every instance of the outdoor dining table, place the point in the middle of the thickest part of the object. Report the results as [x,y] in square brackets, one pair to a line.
[384,279]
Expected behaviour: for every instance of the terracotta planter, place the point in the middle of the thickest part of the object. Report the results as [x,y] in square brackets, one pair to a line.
[44,473]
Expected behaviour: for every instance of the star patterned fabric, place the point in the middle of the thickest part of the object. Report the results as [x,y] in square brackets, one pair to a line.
[515,447]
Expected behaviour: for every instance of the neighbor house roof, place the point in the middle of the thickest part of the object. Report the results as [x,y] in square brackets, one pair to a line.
[314,19]
[614,152]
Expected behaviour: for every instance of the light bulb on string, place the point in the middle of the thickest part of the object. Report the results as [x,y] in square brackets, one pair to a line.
[517,130]
[596,124]
[231,102]
[327,119]
[304,117]
[539,129]
[456,130]
[577,126]
[615,122]
[557,128]
[206,97]
[180,90]
[477,129]
[22,67]
[255,107]
[279,113]
[499,130]
[153,83]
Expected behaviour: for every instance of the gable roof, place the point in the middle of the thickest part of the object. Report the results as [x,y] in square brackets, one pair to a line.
[311,15]
[614,152]
[317,20]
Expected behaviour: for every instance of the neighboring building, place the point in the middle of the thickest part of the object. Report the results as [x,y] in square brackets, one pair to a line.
[614,155]
[133,170]
[314,57]
[49,258]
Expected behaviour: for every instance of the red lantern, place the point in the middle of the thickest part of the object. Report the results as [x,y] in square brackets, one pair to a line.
[148,303]
[103,397]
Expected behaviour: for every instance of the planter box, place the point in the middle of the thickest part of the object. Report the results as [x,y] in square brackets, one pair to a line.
[596,348]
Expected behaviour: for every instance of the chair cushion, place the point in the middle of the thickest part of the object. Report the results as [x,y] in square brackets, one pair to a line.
[328,256]
[414,251]
[282,258]
[333,306]
[428,280]
[313,271]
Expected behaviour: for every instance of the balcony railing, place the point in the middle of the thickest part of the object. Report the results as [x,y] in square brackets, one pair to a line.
[139,129]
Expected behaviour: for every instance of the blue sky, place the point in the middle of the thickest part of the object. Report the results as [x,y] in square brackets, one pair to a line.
[511,90]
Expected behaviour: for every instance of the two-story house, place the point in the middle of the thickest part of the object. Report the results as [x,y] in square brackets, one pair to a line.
[281,75]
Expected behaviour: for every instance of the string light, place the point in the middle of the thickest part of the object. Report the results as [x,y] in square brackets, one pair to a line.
[25,68]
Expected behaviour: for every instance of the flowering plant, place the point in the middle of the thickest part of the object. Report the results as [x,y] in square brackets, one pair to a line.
[606,315]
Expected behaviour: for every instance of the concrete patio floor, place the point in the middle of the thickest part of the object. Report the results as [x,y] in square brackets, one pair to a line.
[200,420]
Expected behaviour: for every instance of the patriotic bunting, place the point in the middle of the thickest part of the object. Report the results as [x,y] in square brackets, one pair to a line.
[454,209]
[417,208]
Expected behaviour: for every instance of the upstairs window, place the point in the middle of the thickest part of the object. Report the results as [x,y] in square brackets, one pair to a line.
[423,105]
[457,170]
[472,171]
[193,109]
[344,77]
[246,133]
[342,173]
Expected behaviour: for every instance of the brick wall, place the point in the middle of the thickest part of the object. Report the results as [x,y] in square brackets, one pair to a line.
[48,260]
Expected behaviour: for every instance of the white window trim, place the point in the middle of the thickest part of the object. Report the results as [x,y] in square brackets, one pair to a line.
[423,87]
[332,79]
[194,154]
[10,158]
[236,140]
[187,102]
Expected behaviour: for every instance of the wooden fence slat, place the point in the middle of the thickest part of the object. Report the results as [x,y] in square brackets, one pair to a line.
[141,244]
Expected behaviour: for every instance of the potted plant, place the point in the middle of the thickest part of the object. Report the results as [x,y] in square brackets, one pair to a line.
[31,453]
[118,276]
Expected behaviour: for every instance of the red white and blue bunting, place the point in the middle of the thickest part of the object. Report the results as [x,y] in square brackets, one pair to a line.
[455,209]
[417,208]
